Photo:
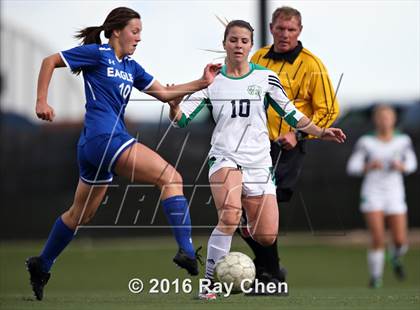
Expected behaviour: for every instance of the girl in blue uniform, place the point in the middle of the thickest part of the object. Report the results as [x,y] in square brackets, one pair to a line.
[105,147]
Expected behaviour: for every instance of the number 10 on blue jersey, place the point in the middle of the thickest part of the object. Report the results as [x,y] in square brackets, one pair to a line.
[125,90]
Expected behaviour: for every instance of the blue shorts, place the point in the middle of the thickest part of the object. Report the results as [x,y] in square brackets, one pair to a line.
[97,156]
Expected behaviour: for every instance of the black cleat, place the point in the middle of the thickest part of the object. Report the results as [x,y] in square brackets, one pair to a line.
[38,278]
[281,276]
[190,264]
[398,268]
[263,275]
[263,286]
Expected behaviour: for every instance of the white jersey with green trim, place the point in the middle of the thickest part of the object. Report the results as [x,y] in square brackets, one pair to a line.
[385,181]
[239,109]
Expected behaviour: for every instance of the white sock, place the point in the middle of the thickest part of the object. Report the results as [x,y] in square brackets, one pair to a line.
[397,252]
[376,262]
[217,247]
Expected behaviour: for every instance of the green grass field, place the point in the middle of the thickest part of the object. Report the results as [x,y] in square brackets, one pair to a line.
[94,274]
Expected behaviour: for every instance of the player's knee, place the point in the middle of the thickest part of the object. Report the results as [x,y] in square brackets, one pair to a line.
[401,242]
[265,240]
[378,243]
[177,177]
[171,177]
[230,218]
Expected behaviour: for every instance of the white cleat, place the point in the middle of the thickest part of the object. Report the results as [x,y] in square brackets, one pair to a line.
[207,296]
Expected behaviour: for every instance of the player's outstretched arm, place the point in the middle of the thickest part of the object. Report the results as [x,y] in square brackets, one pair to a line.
[168,93]
[285,108]
[43,110]
[175,111]
[333,134]
[330,134]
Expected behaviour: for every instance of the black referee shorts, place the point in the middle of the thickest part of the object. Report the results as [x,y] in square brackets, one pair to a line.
[288,168]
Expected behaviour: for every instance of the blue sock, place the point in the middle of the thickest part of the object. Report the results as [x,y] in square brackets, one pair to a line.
[178,215]
[60,236]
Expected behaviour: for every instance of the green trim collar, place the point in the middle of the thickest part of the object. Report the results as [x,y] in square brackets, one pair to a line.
[251,68]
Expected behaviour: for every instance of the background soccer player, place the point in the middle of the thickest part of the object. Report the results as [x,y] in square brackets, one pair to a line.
[240,170]
[382,158]
[105,147]
[306,82]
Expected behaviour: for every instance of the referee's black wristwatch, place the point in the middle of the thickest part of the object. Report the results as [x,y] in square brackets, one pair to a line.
[300,135]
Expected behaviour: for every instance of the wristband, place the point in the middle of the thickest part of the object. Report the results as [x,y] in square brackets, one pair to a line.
[300,135]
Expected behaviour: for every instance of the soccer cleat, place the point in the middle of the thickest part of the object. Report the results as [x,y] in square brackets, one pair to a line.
[265,279]
[375,282]
[398,268]
[190,264]
[38,277]
[282,274]
[263,275]
[208,294]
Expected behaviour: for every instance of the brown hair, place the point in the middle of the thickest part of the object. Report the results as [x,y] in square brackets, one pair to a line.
[117,19]
[287,12]
[239,23]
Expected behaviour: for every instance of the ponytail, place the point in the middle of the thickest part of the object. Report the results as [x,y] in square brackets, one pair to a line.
[90,35]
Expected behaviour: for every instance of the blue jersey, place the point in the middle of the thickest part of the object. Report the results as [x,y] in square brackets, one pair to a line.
[108,83]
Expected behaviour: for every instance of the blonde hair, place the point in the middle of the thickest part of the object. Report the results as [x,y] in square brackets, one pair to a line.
[287,12]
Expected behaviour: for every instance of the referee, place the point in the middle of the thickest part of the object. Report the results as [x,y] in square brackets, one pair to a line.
[306,82]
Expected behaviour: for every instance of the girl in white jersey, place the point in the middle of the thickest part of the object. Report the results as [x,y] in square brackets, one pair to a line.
[239,158]
[383,158]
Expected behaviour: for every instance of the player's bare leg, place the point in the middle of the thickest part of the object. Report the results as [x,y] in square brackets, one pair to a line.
[263,218]
[226,188]
[141,164]
[86,202]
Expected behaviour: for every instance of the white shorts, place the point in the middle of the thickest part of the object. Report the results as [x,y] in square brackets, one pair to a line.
[389,205]
[255,181]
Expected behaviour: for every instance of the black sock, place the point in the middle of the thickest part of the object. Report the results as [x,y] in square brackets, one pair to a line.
[266,258]
[257,249]
[270,255]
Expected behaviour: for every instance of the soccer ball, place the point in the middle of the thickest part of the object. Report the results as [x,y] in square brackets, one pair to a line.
[234,268]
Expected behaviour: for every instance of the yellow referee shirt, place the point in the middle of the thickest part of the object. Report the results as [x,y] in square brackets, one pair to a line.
[306,82]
